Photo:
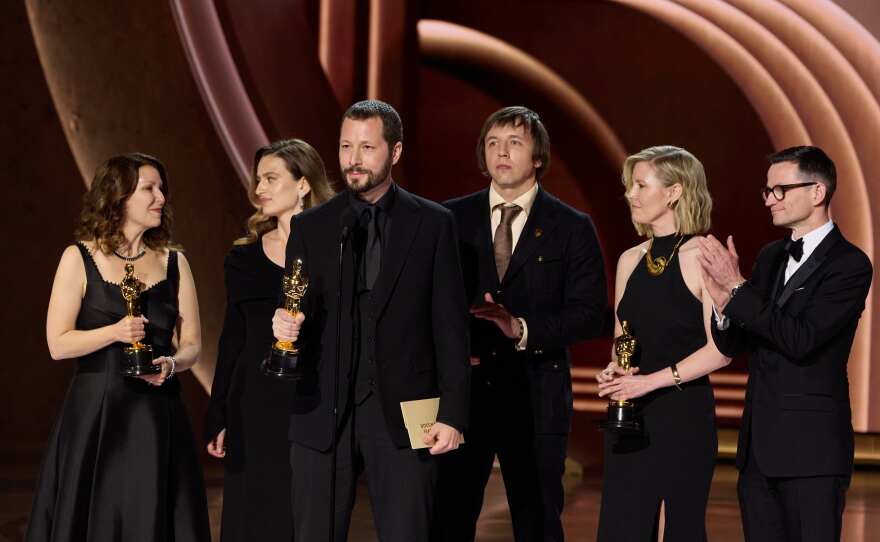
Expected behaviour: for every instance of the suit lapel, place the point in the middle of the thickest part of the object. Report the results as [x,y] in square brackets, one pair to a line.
[809,267]
[483,238]
[777,274]
[405,221]
[347,281]
[539,226]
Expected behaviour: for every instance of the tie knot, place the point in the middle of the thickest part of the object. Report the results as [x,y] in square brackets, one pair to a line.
[509,212]
[796,249]
[367,214]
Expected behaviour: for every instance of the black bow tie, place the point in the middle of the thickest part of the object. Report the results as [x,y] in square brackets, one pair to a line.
[796,249]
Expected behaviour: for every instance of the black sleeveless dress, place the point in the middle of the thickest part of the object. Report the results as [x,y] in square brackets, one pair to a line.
[121,463]
[674,460]
[253,408]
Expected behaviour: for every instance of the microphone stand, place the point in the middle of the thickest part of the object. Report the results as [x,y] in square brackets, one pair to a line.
[334,442]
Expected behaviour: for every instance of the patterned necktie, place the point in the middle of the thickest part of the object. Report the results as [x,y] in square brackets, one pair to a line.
[504,238]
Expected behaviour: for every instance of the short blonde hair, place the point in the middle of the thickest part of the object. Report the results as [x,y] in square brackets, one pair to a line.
[674,165]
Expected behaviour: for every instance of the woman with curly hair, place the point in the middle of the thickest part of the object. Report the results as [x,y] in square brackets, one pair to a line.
[247,420]
[121,462]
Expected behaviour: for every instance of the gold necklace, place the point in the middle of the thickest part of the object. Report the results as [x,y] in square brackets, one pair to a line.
[656,266]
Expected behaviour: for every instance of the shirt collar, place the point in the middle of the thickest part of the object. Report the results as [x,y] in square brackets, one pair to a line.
[386,202]
[525,201]
[813,238]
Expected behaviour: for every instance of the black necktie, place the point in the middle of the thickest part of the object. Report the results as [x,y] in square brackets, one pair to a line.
[373,250]
[796,249]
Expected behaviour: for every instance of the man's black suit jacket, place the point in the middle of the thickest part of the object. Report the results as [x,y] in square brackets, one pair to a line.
[555,281]
[797,415]
[417,307]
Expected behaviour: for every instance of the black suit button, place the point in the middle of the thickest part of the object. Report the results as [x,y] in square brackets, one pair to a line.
[540,259]
[371,361]
[371,382]
[555,365]
[494,353]
[497,292]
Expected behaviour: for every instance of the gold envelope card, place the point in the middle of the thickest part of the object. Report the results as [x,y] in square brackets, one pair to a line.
[418,417]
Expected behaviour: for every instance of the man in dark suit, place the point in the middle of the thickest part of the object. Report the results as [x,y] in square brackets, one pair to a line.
[535,278]
[403,336]
[797,315]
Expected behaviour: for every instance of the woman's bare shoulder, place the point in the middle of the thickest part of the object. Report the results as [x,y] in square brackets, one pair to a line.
[633,254]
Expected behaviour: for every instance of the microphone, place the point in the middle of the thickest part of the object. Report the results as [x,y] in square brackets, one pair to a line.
[347,220]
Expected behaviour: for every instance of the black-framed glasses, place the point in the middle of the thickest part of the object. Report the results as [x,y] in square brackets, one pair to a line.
[779,190]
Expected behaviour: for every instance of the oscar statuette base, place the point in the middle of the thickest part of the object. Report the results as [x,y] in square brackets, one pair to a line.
[138,361]
[621,419]
[284,364]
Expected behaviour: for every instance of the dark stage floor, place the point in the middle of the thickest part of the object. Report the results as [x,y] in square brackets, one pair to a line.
[580,518]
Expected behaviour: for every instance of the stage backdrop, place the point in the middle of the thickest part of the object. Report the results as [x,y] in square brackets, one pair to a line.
[203,83]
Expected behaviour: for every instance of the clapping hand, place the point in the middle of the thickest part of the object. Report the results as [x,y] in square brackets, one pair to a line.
[720,267]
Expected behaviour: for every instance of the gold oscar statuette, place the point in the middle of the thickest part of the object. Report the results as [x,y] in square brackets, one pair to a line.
[138,360]
[283,360]
[621,414]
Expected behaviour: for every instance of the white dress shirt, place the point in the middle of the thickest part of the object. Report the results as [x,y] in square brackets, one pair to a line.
[811,241]
[525,202]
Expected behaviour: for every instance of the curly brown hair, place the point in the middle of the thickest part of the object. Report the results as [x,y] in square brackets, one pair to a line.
[301,160]
[103,211]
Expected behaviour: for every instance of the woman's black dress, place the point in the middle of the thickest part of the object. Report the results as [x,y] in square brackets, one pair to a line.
[675,459]
[121,463]
[253,407]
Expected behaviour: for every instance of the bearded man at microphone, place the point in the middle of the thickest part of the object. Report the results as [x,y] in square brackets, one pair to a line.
[385,280]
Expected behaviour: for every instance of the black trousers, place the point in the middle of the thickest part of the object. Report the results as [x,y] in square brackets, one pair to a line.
[532,466]
[401,481]
[808,509]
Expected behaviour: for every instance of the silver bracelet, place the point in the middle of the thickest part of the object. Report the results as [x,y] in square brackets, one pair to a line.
[173,367]
[735,289]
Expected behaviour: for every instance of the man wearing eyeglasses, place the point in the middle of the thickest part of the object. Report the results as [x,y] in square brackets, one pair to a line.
[797,316]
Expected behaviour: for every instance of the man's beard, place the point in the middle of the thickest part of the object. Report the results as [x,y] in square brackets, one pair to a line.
[373,180]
